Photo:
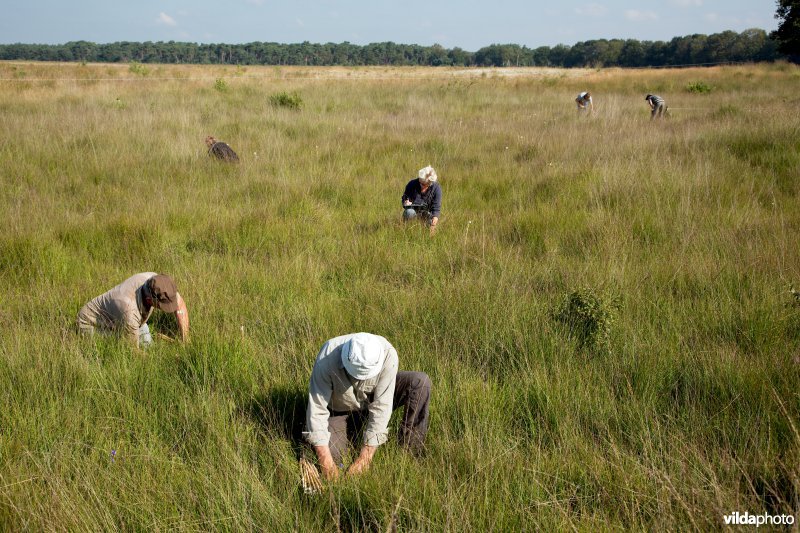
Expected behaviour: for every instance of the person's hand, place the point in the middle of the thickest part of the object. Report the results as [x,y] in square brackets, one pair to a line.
[326,463]
[358,467]
[407,202]
[329,470]
[361,464]
[182,318]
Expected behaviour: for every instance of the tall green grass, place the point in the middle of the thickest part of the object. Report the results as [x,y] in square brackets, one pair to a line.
[691,223]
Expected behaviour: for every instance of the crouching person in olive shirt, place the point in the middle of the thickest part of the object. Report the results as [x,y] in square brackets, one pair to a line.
[355,386]
[126,308]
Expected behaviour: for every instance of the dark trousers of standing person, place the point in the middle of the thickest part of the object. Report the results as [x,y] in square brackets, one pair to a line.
[412,391]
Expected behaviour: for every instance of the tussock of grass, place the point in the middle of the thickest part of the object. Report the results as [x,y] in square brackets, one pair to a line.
[693,413]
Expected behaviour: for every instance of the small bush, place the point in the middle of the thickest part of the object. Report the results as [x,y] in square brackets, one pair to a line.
[284,99]
[138,69]
[699,87]
[221,85]
[589,317]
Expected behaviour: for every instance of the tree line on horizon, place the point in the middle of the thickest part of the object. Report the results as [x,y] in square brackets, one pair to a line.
[751,45]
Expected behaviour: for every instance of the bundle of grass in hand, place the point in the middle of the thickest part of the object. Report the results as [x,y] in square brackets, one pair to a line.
[309,477]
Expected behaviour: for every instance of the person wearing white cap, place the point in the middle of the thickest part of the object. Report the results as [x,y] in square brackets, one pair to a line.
[355,385]
[422,198]
[584,102]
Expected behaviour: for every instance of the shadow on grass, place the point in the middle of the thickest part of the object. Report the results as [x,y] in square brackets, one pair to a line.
[280,411]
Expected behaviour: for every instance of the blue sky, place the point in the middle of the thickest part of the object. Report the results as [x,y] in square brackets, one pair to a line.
[469,24]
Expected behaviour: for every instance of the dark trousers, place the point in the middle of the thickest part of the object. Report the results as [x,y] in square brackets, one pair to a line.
[412,391]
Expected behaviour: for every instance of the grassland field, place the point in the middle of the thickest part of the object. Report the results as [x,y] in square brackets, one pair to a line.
[687,230]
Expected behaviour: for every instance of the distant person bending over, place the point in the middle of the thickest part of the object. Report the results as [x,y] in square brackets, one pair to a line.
[658,107]
[584,101]
[423,198]
[221,150]
[355,385]
[125,308]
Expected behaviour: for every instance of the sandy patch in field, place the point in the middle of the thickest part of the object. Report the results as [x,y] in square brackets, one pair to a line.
[424,72]
[29,71]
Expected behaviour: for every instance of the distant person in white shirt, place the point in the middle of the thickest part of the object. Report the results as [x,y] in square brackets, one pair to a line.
[584,101]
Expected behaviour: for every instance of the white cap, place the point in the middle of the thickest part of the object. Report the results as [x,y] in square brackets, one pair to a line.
[363,356]
[428,174]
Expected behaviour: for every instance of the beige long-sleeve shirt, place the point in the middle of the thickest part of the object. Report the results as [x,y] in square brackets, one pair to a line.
[332,389]
[120,309]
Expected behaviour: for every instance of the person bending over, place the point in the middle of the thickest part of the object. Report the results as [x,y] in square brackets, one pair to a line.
[658,107]
[355,385]
[584,102]
[124,310]
[221,150]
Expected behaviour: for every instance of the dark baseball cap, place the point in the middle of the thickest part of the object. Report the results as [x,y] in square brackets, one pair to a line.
[164,292]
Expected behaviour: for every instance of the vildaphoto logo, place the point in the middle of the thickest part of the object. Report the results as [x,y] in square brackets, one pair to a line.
[746,519]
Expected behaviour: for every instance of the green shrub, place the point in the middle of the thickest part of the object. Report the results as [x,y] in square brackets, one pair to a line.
[138,69]
[699,87]
[221,85]
[589,317]
[284,99]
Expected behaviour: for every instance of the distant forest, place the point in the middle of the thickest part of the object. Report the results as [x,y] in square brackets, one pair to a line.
[751,45]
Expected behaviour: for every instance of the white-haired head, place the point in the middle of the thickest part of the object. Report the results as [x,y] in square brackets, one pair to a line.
[428,175]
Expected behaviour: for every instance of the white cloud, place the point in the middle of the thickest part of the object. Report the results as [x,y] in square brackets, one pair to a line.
[712,17]
[591,10]
[300,22]
[686,3]
[166,20]
[636,15]
[255,2]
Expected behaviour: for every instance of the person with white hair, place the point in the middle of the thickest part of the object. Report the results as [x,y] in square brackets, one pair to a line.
[423,198]
[355,385]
